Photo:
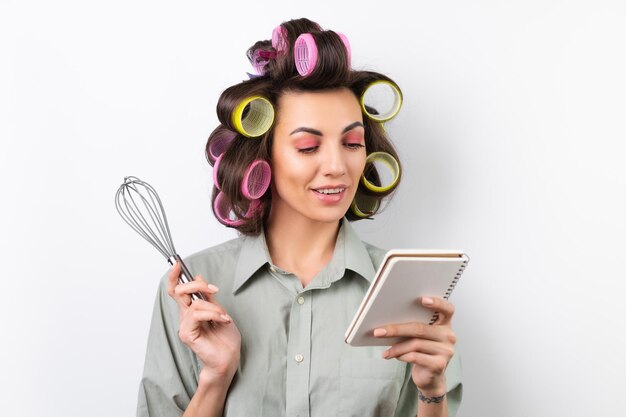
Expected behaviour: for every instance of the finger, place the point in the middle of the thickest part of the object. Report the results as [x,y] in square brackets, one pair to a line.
[173,283]
[210,315]
[191,323]
[443,308]
[183,292]
[201,305]
[428,347]
[187,314]
[207,289]
[200,286]
[172,279]
[413,329]
[435,363]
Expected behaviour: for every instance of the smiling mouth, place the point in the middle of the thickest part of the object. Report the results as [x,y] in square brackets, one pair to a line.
[330,191]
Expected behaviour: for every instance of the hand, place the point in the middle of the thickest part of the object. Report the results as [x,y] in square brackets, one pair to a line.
[205,327]
[429,347]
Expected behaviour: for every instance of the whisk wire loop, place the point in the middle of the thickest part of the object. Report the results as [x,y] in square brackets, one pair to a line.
[140,207]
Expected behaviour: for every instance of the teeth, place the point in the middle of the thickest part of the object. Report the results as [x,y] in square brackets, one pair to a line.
[330,190]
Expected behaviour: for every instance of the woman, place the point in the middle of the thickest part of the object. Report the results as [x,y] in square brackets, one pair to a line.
[268,339]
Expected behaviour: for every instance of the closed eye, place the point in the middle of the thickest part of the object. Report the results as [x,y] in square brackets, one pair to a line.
[311,149]
[354,146]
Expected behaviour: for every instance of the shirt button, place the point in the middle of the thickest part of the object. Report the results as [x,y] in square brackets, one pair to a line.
[300,300]
[299,358]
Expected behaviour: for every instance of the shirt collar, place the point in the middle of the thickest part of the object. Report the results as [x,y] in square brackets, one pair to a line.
[357,258]
[252,257]
[350,253]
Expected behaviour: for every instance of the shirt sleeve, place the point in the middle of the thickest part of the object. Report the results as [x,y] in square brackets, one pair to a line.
[408,402]
[170,372]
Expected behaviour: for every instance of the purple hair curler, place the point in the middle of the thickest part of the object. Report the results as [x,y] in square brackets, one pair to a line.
[221,142]
[260,59]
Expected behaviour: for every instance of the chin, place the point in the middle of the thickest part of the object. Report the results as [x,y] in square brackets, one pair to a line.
[328,216]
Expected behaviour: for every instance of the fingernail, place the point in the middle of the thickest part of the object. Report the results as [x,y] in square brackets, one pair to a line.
[225,317]
[427,301]
[380,332]
[386,354]
[213,288]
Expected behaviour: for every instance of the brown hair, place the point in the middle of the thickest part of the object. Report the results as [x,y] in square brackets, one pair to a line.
[280,75]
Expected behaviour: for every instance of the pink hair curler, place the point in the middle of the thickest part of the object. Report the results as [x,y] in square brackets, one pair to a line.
[215,168]
[256,180]
[279,39]
[344,38]
[221,142]
[226,216]
[305,53]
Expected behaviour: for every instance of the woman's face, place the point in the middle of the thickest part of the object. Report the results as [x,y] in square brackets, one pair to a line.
[318,154]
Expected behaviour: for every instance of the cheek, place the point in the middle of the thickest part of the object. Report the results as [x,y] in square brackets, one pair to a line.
[358,165]
[289,172]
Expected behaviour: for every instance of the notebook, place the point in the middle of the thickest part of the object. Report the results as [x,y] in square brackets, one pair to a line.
[394,296]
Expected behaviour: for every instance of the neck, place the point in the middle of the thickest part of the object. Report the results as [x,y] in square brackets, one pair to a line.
[300,245]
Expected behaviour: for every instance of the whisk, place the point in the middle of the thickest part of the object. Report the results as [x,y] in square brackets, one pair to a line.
[140,206]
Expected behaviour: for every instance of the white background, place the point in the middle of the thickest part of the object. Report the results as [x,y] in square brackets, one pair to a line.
[511,135]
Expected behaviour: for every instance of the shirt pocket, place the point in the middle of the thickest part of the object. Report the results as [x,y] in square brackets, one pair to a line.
[369,386]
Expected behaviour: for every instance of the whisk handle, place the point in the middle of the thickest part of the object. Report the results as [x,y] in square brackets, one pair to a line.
[185,275]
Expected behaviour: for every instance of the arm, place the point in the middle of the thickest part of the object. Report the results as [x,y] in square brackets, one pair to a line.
[170,371]
[408,402]
[180,336]
[209,398]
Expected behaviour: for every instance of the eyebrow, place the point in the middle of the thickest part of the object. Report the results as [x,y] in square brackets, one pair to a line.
[318,133]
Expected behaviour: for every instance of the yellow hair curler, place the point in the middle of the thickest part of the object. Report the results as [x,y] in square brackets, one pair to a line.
[364,205]
[258,118]
[376,161]
[381,100]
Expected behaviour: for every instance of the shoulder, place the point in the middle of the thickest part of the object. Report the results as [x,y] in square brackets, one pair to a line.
[359,250]
[215,263]
[375,253]
[229,248]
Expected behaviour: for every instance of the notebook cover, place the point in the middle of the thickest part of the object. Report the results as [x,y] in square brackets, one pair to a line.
[403,278]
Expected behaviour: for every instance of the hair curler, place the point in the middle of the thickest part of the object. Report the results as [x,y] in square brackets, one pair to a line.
[387,169]
[384,97]
[221,142]
[364,205]
[258,118]
[305,52]
[225,215]
[256,179]
[216,166]
[279,40]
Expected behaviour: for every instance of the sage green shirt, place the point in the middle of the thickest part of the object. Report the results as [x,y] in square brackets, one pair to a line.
[294,361]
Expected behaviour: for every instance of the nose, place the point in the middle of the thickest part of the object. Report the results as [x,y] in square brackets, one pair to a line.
[333,162]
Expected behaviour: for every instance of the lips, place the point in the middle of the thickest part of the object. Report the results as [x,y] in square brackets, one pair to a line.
[330,188]
[331,194]
[330,191]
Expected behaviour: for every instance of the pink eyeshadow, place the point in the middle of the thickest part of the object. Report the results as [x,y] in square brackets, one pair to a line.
[306,143]
[354,138]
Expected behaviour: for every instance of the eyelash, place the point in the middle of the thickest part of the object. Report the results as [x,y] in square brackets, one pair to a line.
[351,146]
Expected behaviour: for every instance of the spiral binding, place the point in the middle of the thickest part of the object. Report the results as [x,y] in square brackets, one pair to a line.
[435,316]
